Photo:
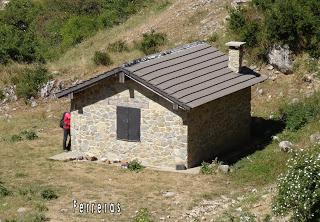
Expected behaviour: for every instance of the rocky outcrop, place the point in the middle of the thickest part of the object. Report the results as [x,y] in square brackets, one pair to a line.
[50,88]
[281,57]
[9,93]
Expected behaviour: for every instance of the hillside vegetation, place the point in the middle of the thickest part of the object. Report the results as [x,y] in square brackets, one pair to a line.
[73,40]
[40,31]
[267,22]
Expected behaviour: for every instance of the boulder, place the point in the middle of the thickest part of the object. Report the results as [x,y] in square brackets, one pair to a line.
[33,102]
[315,138]
[285,146]
[50,88]
[224,168]
[281,57]
[10,93]
[91,157]
[168,194]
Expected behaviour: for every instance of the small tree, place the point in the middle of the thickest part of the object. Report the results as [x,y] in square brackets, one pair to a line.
[152,41]
[299,187]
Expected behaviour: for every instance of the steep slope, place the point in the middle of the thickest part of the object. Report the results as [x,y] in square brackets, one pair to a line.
[181,20]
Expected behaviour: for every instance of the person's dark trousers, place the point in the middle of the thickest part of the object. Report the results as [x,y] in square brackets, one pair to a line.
[66,134]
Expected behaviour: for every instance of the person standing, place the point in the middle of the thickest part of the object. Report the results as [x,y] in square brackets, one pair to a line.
[65,124]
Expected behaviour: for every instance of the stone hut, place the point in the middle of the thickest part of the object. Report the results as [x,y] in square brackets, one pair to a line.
[174,109]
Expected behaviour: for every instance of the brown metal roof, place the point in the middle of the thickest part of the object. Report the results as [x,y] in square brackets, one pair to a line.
[189,75]
[194,74]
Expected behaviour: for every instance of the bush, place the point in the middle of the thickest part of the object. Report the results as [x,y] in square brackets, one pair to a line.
[207,168]
[15,138]
[102,58]
[135,165]
[24,135]
[48,194]
[4,191]
[296,115]
[268,22]
[299,188]
[29,135]
[143,215]
[29,81]
[151,42]
[118,46]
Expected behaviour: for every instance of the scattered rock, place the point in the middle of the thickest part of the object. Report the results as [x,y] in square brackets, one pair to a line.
[315,138]
[124,165]
[10,93]
[294,100]
[64,210]
[270,67]
[22,210]
[281,57]
[273,77]
[309,78]
[260,92]
[91,158]
[33,102]
[168,194]
[104,159]
[275,138]
[285,146]
[224,168]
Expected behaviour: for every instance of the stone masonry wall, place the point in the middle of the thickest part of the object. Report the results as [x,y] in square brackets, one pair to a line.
[216,128]
[93,126]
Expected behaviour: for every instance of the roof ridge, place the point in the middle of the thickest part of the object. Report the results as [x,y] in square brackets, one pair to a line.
[163,53]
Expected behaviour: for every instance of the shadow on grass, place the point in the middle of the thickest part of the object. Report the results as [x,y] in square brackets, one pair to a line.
[262,131]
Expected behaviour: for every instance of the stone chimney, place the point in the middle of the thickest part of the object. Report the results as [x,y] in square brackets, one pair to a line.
[235,55]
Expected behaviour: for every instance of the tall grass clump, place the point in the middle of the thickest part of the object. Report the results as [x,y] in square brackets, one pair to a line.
[102,58]
[296,115]
[299,188]
[3,190]
[118,46]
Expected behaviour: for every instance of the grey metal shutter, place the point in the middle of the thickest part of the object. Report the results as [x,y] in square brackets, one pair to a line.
[122,123]
[134,124]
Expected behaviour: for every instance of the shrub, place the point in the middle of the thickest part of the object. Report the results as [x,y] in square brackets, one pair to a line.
[29,81]
[267,22]
[151,42]
[207,168]
[143,215]
[102,58]
[29,135]
[48,194]
[15,138]
[4,191]
[296,115]
[24,135]
[299,188]
[118,46]
[135,165]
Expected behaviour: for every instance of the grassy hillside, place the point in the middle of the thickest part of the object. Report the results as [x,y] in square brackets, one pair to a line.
[246,192]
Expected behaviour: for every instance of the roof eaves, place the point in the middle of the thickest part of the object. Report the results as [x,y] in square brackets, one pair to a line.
[87,83]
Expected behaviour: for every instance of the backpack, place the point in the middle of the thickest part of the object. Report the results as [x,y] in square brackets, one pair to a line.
[62,120]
